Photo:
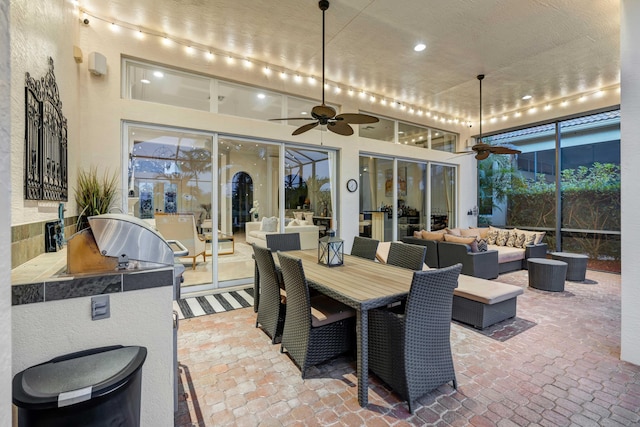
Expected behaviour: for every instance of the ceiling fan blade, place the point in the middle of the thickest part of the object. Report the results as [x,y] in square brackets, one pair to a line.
[357,118]
[482,155]
[292,118]
[499,149]
[481,147]
[323,111]
[304,128]
[340,127]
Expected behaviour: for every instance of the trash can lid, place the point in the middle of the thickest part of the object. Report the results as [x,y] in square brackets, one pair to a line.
[76,377]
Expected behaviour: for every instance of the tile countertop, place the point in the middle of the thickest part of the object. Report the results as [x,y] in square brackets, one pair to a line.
[43,279]
[40,268]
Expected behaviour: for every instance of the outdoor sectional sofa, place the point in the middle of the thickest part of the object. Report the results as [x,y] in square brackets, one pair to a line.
[497,259]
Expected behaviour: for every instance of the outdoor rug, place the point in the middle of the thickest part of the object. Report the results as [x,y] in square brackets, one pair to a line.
[504,330]
[213,303]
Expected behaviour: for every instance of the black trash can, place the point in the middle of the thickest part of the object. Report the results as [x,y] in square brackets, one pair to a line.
[96,387]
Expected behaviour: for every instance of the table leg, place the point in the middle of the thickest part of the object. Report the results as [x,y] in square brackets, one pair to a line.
[362,331]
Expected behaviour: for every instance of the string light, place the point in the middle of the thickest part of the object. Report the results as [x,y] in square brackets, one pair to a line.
[191,48]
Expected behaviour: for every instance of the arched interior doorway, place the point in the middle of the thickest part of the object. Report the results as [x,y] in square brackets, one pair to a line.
[242,188]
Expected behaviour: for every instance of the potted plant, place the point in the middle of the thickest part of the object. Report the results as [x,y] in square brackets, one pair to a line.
[94,194]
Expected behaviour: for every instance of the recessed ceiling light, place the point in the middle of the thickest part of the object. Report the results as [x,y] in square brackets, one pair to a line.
[158,74]
[527,97]
[262,96]
[145,81]
[420,47]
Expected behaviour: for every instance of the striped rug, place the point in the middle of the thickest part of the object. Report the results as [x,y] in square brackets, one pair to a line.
[214,303]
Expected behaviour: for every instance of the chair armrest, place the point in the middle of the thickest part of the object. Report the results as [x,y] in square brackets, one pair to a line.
[535,251]
[477,264]
[252,226]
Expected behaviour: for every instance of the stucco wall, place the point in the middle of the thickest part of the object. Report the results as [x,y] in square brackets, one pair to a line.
[630,158]
[41,29]
[42,331]
[5,219]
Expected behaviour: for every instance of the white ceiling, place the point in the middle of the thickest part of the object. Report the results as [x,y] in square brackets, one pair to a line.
[549,49]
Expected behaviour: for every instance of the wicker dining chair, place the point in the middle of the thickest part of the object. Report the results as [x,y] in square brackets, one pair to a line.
[315,329]
[272,308]
[364,247]
[407,256]
[411,351]
[283,242]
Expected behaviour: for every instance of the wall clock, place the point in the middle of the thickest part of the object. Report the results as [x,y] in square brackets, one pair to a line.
[352,185]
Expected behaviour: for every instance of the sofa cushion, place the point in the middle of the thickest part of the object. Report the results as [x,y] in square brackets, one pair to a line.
[471,241]
[432,235]
[511,241]
[325,310]
[469,232]
[482,231]
[485,291]
[269,224]
[507,254]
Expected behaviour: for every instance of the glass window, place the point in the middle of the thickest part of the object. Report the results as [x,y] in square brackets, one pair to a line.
[412,178]
[147,82]
[308,186]
[384,130]
[443,141]
[443,197]
[246,101]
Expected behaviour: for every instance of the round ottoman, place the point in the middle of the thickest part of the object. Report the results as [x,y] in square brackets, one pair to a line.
[576,264]
[547,274]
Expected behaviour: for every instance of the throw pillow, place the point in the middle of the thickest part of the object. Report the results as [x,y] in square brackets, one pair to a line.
[539,237]
[293,223]
[471,241]
[469,232]
[511,240]
[483,231]
[298,215]
[520,238]
[503,236]
[269,224]
[418,234]
[529,239]
[431,235]
[482,245]
[455,231]
[492,236]
[308,216]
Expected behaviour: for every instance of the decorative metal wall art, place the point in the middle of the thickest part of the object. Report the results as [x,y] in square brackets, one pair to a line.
[45,171]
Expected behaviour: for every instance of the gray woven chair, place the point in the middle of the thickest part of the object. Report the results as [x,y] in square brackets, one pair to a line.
[312,338]
[364,247]
[283,242]
[411,351]
[271,310]
[407,256]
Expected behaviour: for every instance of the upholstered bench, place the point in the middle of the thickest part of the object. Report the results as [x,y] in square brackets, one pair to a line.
[482,303]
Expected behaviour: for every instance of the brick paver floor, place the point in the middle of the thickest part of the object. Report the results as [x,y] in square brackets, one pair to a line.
[564,371]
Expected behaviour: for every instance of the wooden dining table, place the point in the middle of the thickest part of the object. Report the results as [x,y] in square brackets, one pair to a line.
[363,285]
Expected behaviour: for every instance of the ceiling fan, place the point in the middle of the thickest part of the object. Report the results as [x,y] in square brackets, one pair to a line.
[326,115]
[483,150]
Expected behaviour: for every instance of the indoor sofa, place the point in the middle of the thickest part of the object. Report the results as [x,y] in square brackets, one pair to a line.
[256,232]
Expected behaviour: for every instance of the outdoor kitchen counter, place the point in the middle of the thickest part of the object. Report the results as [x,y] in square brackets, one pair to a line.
[51,316]
[44,279]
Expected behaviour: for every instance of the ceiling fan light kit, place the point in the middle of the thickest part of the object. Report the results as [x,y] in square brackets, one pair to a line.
[325,115]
